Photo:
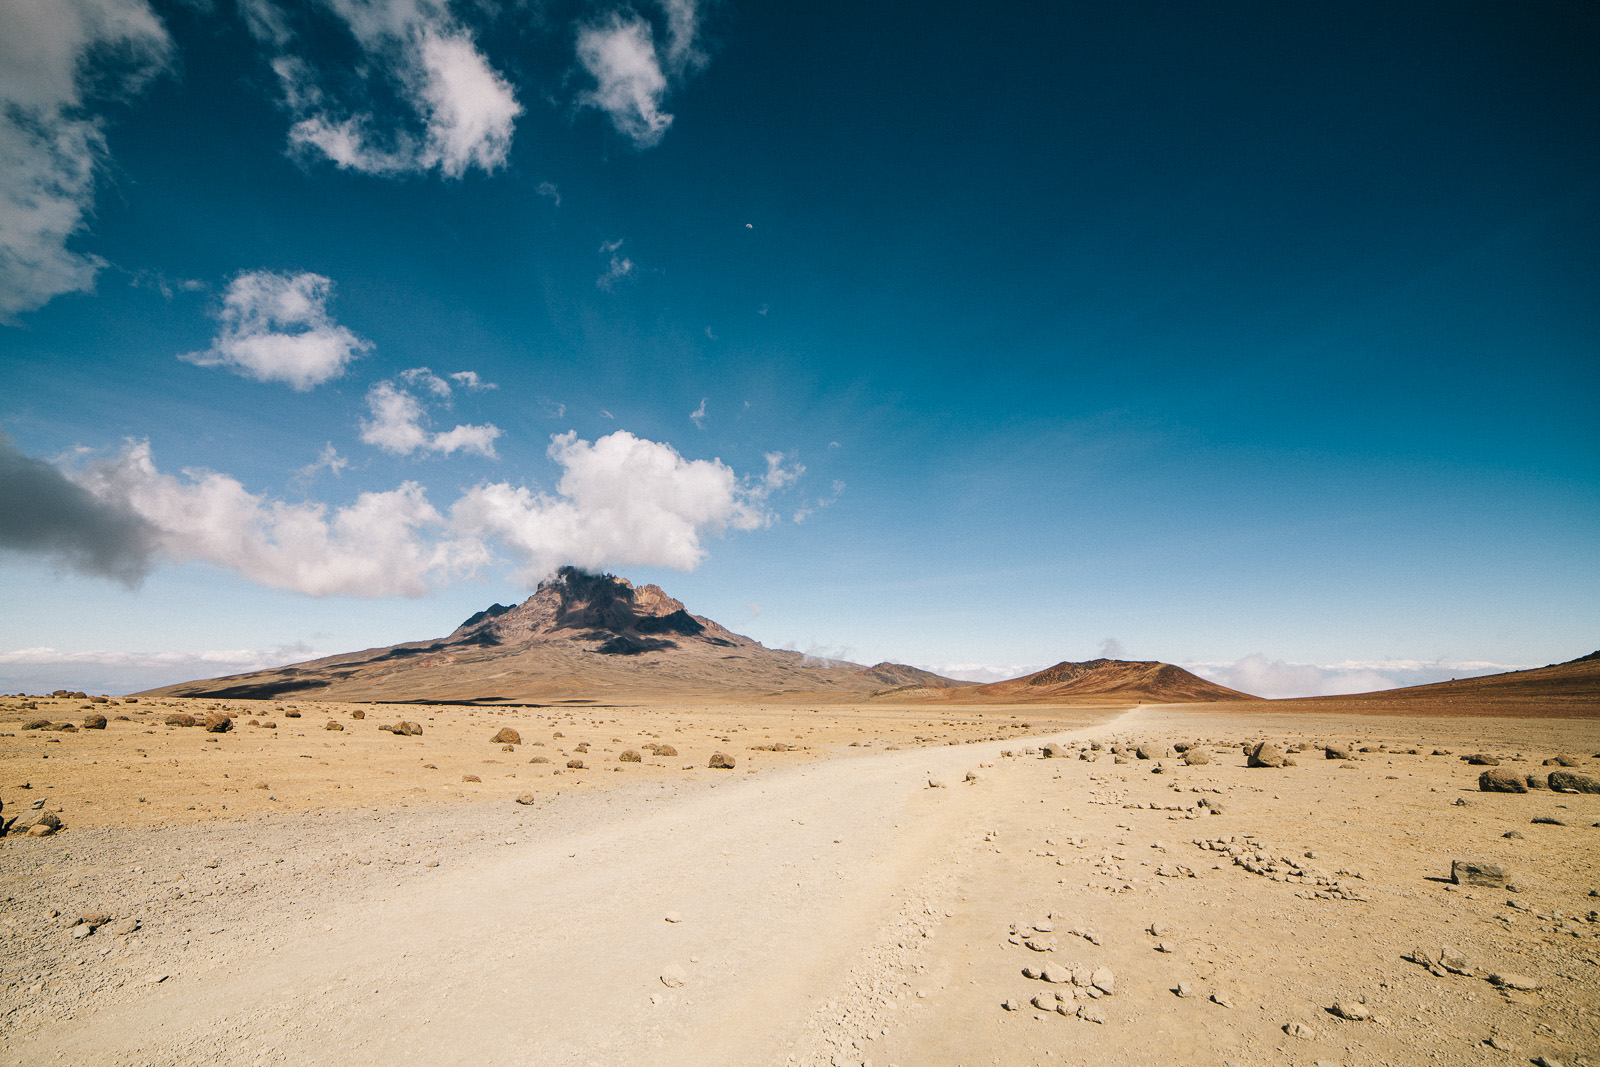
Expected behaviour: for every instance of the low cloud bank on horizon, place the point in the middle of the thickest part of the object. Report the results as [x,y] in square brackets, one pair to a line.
[1276,679]
[1261,676]
[44,670]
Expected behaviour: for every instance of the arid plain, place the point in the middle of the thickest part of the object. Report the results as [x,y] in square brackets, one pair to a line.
[1105,862]
[274,895]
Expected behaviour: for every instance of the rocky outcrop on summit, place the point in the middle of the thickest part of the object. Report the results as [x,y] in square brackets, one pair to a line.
[581,638]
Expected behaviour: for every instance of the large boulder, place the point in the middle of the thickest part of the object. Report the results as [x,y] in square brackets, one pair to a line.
[218,723]
[721,761]
[181,718]
[1336,750]
[1196,757]
[1265,754]
[1501,780]
[1573,782]
[98,722]
[1054,751]
[507,736]
[1153,751]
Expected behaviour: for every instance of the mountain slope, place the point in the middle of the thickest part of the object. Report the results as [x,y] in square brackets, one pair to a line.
[580,638]
[1570,689]
[1146,682]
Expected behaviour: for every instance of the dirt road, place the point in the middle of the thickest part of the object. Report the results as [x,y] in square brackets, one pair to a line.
[844,911]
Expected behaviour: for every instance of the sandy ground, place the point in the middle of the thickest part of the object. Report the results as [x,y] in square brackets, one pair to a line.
[830,908]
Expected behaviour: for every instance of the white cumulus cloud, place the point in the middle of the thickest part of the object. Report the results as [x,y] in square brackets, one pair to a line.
[462,112]
[276,328]
[52,144]
[621,501]
[389,543]
[399,420]
[630,87]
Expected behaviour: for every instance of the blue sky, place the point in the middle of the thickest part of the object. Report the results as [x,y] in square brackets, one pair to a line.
[1257,338]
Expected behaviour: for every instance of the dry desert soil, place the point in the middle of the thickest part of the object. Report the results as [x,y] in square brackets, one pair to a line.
[905,885]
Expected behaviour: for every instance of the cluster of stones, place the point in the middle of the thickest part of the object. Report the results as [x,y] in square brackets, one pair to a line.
[1071,990]
[1505,780]
[1253,857]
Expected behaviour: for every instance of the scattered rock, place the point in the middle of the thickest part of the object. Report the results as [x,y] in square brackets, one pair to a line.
[1501,780]
[1104,980]
[1053,751]
[525,798]
[720,761]
[1152,751]
[98,722]
[291,714]
[180,718]
[629,756]
[1300,1030]
[539,759]
[1511,980]
[1548,820]
[1183,990]
[1573,782]
[936,783]
[122,927]
[38,724]
[1336,750]
[1561,761]
[1196,757]
[358,714]
[1515,835]
[664,750]
[507,736]
[1265,754]
[674,976]
[1221,1000]
[574,764]
[332,724]
[1090,1014]
[218,723]
[1482,759]
[1472,872]
[1354,1011]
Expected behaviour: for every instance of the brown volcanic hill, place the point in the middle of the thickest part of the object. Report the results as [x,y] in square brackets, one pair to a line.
[582,638]
[1561,690]
[1144,682]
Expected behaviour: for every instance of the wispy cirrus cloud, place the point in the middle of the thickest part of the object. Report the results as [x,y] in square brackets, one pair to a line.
[462,112]
[276,328]
[57,57]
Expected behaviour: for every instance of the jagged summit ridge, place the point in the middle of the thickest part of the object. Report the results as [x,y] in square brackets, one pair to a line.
[622,619]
